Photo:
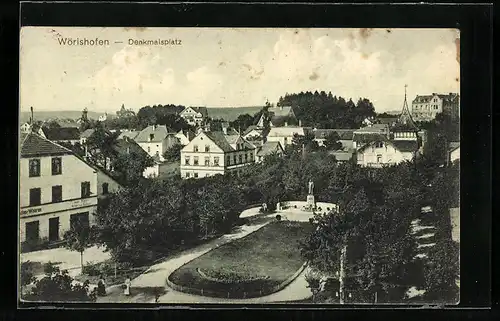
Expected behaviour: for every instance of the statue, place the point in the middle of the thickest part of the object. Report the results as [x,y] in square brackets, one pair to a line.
[311,187]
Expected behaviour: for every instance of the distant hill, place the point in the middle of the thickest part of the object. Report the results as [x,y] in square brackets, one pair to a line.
[63,114]
[230,114]
[227,113]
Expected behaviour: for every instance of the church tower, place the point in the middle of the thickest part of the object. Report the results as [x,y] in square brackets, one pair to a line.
[405,128]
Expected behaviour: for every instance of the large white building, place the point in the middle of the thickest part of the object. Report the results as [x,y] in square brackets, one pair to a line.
[384,152]
[211,153]
[426,107]
[56,189]
[194,116]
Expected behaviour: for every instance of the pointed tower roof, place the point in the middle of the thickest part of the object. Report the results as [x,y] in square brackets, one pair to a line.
[405,121]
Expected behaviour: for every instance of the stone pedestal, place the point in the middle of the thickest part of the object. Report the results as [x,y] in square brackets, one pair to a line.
[311,204]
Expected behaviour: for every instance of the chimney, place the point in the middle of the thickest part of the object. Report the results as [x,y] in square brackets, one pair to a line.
[31,118]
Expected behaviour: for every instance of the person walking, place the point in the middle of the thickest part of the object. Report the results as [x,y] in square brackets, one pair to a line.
[128,283]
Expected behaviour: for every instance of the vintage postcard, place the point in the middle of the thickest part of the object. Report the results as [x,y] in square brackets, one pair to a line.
[239,165]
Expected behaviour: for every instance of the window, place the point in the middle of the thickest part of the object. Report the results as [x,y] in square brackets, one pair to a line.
[35,196]
[151,137]
[195,160]
[34,167]
[56,166]
[195,148]
[240,158]
[207,148]
[105,188]
[234,159]
[149,149]
[246,158]
[216,161]
[195,175]
[379,158]
[188,175]
[85,189]
[207,161]
[186,160]
[32,231]
[379,144]
[228,161]
[56,194]
[79,220]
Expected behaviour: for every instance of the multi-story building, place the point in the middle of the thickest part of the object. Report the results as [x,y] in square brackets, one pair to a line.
[426,107]
[56,189]
[211,153]
[185,136]
[155,140]
[194,116]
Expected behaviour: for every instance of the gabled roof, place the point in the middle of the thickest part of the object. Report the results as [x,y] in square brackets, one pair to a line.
[188,133]
[344,134]
[33,145]
[232,139]
[202,110]
[62,133]
[87,133]
[159,133]
[220,140]
[250,128]
[285,131]
[368,138]
[130,134]
[423,99]
[268,148]
[280,111]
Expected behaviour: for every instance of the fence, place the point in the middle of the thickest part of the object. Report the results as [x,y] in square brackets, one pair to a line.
[235,295]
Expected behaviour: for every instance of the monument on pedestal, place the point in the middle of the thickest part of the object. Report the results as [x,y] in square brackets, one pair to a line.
[311,203]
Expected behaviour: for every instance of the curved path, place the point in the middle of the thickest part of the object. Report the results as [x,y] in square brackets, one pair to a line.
[156,275]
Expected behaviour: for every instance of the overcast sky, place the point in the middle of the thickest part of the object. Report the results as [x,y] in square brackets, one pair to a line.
[218,67]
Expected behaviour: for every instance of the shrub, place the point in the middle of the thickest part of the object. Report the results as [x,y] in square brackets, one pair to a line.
[91,269]
[229,277]
[328,209]
[278,217]
[49,268]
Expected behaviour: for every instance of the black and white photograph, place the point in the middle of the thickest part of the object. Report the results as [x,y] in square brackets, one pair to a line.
[239,165]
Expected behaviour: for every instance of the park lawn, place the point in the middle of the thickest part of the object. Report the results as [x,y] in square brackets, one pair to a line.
[272,252]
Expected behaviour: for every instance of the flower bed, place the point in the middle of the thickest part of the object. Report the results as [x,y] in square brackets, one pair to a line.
[255,265]
[228,276]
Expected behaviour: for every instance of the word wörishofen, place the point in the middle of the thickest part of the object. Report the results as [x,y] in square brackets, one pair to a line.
[83,42]
[156,42]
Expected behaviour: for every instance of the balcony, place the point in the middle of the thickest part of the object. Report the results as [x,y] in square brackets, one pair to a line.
[47,208]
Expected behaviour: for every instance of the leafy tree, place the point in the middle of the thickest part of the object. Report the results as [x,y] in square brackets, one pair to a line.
[101,146]
[129,167]
[173,154]
[58,287]
[242,122]
[79,238]
[26,274]
[332,141]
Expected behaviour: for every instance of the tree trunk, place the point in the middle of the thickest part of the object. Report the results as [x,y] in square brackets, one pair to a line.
[81,260]
[342,275]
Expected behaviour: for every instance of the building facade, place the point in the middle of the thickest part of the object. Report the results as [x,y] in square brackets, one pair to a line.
[278,116]
[194,116]
[284,135]
[57,188]
[211,153]
[426,107]
[155,140]
[379,153]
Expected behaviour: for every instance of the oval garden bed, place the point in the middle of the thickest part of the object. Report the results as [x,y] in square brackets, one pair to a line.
[255,265]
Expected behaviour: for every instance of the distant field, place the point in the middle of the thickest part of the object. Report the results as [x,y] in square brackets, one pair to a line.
[228,114]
